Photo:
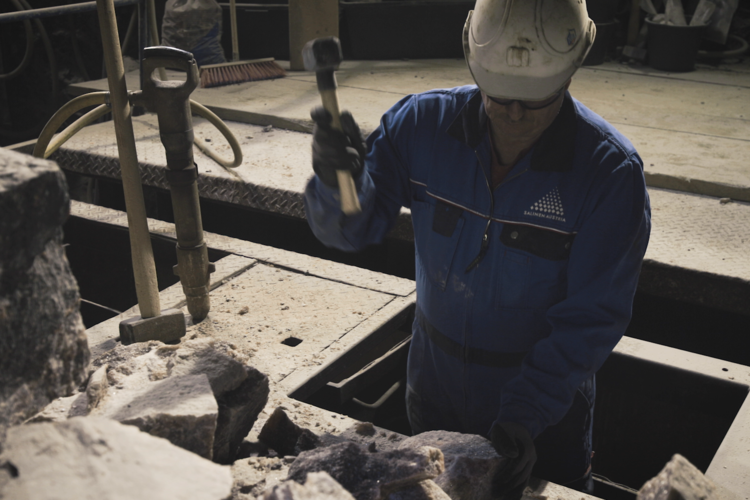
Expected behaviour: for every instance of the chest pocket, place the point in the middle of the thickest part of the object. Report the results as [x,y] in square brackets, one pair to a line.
[438,235]
[533,270]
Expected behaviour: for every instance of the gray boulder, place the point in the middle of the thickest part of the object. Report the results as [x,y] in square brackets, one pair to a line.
[681,480]
[43,348]
[181,409]
[88,458]
[318,486]
[368,475]
[200,395]
[470,462]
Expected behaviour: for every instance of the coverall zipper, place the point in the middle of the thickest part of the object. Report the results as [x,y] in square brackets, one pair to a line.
[486,236]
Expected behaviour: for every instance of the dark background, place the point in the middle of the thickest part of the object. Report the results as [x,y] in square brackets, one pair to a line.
[393,29]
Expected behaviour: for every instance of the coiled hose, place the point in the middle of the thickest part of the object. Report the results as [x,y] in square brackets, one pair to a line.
[48,143]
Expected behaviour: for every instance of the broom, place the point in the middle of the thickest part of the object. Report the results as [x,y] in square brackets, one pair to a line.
[215,75]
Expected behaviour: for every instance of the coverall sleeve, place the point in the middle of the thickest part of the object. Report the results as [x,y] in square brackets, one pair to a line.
[603,272]
[383,187]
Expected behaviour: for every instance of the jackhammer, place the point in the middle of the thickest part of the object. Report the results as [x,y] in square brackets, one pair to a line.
[170,100]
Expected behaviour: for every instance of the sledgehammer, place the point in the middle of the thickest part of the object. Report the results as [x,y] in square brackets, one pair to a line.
[323,55]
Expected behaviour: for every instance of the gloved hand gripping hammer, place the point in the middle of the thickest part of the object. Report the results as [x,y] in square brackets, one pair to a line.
[323,55]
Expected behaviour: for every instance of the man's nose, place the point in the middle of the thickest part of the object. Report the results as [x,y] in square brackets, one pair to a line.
[515,111]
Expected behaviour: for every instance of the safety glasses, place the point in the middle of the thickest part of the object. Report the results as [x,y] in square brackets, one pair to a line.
[531,105]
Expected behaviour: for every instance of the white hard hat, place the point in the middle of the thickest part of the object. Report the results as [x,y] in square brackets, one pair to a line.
[526,49]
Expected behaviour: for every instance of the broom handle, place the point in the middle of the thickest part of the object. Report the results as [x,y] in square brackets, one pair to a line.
[233,22]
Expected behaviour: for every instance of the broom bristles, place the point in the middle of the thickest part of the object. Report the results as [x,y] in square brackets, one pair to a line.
[217,75]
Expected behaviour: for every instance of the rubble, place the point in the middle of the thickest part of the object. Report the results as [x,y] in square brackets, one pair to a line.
[91,458]
[424,490]
[681,480]
[287,438]
[366,475]
[318,486]
[470,462]
[43,348]
[200,394]
[252,476]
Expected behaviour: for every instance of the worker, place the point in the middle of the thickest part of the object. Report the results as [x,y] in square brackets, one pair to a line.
[531,220]
[194,26]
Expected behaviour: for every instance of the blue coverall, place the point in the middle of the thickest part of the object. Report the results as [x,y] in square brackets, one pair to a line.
[557,249]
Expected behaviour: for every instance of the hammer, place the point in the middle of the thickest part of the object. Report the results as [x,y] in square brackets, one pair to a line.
[323,55]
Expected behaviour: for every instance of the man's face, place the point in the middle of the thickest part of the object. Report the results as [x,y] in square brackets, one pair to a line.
[515,122]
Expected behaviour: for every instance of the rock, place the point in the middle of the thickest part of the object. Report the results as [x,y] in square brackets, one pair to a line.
[43,348]
[287,438]
[35,204]
[253,476]
[238,410]
[424,490]
[200,394]
[181,409]
[369,476]
[318,486]
[240,390]
[62,409]
[97,387]
[90,458]
[280,433]
[681,480]
[470,462]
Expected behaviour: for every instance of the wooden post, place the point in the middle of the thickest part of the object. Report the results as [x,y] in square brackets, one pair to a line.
[310,19]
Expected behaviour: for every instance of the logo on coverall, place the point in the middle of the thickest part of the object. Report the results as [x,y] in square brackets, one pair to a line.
[549,207]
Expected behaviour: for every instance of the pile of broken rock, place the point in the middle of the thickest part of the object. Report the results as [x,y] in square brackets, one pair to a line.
[201,396]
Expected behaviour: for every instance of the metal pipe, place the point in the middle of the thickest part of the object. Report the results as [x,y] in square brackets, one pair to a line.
[76,8]
[140,239]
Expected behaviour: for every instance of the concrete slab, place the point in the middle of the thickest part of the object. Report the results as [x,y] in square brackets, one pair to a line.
[691,129]
[291,317]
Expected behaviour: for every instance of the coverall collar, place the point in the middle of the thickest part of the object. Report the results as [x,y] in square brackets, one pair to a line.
[552,153]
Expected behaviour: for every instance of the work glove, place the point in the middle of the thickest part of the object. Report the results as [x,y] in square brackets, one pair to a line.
[333,150]
[513,442]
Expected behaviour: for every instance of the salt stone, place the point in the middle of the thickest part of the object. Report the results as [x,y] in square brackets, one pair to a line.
[681,480]
[43,348]
[90,458]
[200,394]
[470,462]
[253,476]
[280,433]
[181,409]
[370,476]
[318,486]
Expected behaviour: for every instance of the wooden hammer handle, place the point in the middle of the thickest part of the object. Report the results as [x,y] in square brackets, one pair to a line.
[347,189]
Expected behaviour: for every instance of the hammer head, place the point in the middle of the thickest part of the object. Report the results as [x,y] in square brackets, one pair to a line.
[322,54]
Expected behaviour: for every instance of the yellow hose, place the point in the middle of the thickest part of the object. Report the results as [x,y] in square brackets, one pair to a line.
[66,111]
[48,143]
[209,115]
